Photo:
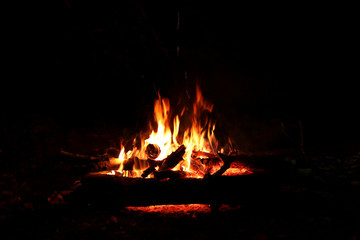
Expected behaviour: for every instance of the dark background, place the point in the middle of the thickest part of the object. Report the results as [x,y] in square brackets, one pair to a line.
[81,76]
[265,68]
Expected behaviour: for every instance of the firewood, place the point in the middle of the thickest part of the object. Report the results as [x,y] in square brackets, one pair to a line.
[153,151]
[198,154]
[167,164]
[254,160]
[111,190]
[227,162]
[169,174]
[173,159]
[148,171]
[211,161]
[89,162]
[135,163]
[152,167]
[197,166]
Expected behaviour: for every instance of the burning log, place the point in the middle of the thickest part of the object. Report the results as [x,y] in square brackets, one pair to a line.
[167,164]
[197,166]
[153,151]
[148,171]
[153,164]
[212,160]
[227,163]
[173,159]
[253,160]
[198,154]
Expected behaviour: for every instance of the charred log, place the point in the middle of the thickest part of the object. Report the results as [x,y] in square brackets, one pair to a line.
[258,160]
[199,154]
[216,161]
[87,162]
[169,174]
[167,164]
[153,151]
[109,190]
[197,166]
[148,171]
[173,159]
[213,160]
[227,163]
[152,167]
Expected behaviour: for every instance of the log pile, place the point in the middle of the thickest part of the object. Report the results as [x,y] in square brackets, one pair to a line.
[169,186]
[201,163]
[164,165]
[208,165]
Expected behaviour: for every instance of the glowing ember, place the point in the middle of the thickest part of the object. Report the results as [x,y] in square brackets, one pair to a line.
[172,209]
[236,171]
[184,209]
[199,137]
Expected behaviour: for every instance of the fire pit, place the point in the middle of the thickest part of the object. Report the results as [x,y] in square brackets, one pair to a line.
[174,165]
[174,151]
[190,151]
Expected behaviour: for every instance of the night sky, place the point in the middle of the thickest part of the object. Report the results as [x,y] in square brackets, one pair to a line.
[261,66]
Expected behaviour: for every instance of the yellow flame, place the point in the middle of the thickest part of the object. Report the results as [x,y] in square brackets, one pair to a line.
[199,136]
[163,136]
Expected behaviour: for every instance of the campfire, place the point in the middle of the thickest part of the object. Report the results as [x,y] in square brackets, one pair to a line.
[172,150]
[176,164]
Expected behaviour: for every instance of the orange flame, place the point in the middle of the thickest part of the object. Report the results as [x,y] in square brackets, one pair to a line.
[163,137]
[199,136]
